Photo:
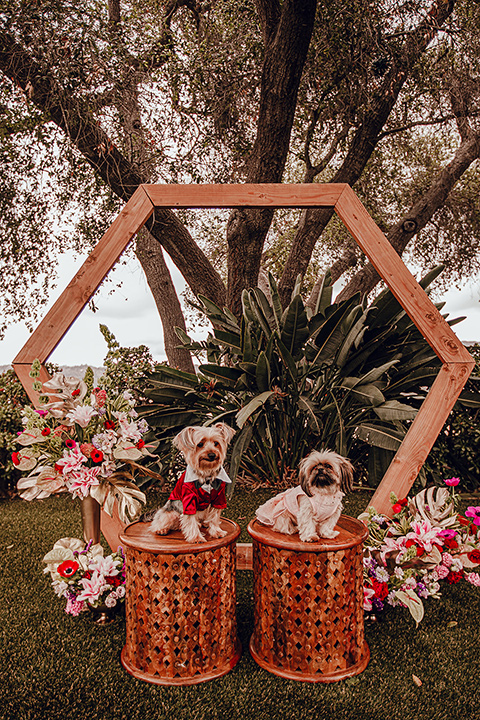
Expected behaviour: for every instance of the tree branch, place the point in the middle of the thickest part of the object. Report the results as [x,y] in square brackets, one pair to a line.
[122,176]
[364,141]
[420,213]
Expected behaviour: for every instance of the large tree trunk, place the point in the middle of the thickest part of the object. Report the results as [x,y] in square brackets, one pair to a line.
[314,221]
[150,255]
[123,176]
[287,30]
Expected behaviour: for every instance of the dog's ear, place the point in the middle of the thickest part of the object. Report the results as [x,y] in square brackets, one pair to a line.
[184,440]
[225,430]
[346,476]
[303,476]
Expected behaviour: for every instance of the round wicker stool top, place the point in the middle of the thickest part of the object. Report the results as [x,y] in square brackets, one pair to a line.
[138,536]
[351,532]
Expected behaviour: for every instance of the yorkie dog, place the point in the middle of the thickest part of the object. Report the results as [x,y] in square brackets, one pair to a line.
[314,506]
[198,497]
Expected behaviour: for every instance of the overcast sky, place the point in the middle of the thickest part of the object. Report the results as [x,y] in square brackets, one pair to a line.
[130,313]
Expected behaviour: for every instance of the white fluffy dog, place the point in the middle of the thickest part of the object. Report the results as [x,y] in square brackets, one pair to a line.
[314,506]
[199,495]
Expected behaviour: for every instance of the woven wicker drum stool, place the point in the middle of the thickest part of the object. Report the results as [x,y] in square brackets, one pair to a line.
[180,606]
[308,603]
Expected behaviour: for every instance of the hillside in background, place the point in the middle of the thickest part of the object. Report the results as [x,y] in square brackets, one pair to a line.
[70,370]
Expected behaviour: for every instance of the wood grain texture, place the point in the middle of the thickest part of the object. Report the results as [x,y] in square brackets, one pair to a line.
[271,195]
[436,331]
[78,292]
[421,436]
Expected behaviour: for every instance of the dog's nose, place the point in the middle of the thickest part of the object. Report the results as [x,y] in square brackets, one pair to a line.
[211,456]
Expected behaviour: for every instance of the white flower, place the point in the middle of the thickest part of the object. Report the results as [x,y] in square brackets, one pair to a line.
[82,415]
[382,574]
[59,587]
[399,573]
[120,591]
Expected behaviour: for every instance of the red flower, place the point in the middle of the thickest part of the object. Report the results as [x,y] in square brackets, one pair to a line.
[450,543]
[46,431]
[409,543]
[140,444]
[474,556]
[420,550]
[454,577]
[380,588]
[463,520]
[15,459]
[68,568]
[114,580]
[70,443]
[109,425]
[97,456]
[76,392]
[397,508]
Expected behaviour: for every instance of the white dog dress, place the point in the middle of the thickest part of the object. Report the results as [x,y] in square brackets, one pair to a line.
[288,503]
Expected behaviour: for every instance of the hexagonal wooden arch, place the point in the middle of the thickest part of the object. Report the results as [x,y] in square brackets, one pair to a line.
[457,362]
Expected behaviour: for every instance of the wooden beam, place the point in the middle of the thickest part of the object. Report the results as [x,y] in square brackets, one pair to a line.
[414,300]
[271,195]
[78,292]
[421,435]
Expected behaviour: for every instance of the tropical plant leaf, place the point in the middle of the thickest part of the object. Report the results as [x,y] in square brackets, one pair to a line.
[295,327]
[276,303]
[381,437]
[310,409]
[368,394]
[229,339]
[393,410]
[241,443]
[262,373]
[324,298]
[287,359]
[230,375]
[249,408]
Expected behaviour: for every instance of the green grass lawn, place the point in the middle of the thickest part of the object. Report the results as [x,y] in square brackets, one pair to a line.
[58,667]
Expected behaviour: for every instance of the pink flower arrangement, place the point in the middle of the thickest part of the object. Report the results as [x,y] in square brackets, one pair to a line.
[407,557]
[78,442]
[84,577]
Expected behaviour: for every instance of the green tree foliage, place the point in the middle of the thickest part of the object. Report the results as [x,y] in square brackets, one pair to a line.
[99,98]
[13,399]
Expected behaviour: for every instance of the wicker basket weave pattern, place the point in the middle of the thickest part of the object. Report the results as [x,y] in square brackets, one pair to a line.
[180,615]
[308,611]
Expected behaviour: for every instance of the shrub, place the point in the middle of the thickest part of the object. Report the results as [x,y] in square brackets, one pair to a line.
[12,400]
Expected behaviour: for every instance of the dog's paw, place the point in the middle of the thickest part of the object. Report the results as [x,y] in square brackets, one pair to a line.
[309,537]
[216,532]
[330,534]
[198,539]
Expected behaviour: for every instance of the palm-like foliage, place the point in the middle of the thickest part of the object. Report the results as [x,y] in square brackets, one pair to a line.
[347,376]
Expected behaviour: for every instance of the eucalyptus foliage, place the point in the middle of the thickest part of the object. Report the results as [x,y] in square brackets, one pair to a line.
[347,376]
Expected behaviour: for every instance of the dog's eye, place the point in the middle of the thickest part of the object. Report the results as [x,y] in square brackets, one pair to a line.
[217,444]
[200,444]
